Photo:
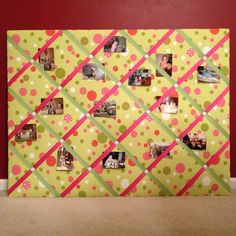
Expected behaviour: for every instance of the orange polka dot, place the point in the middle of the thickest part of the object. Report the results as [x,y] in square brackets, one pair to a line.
[50,32]
[29,143]
[10,98]
[91,95]
[174,94]
[131,163]
[51,161]
[216,161]
[214,31]
[33,68]
[132,32]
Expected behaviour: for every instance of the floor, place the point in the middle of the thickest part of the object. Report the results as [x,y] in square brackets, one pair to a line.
[167,216]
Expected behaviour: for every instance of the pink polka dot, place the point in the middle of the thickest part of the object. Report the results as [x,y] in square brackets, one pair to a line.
[197,91]
[11,123]
[134,134]
[227,154]
[105,90]
[133,57]
[23,91]
[146,156]
[216,132]
[180,167]
[69,48]
[16,170]
[98,168]
[187,90]
[206,155]
[116,93]
[33,92]
[215,56]
[214,187]
[16,38]
[221,103]
[10,70]
[193,112]
[179,38]
[174,121]
[174,68]
[83,90]
[97,38]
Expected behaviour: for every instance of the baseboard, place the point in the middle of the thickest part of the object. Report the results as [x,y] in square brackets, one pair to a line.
[233,183]
[3,184]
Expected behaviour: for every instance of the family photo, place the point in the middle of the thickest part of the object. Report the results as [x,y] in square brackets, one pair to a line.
[169,105]
[27,133]
[64,159]
[195,141]
[116,44]
[207,75]
[141,77]
[107,109]
[53,107]
[46,59]
[92,72]
[165,62]
[114,160]
[156,149]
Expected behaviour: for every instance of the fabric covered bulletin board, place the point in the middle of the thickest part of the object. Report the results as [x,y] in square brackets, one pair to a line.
[118,112]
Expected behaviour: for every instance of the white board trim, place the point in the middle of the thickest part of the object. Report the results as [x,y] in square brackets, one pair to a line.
[233,183]
[3,184]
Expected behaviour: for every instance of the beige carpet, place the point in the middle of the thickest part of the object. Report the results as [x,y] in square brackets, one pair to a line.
[172,216]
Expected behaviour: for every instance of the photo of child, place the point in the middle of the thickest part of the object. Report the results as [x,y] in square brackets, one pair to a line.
[207,75]
[141,77]
[64,159]
[114,160]
[169,105]
[26,133]
[165,61]
[107,109]
[195,141]
[156,149]
[116,45]
[92,72]
[46,59]
[53,107]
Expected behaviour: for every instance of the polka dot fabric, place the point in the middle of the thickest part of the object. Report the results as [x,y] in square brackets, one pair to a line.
[203,108]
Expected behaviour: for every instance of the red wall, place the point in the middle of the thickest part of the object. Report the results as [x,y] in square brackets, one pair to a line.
[76,14]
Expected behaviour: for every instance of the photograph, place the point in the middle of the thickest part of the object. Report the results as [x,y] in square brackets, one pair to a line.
[156,149]
[195,141]
[165,61]
[116,44]
[107,109]
[26,133]
[64,159]
[53,107]
[207,75]
[92,72]
[46,59]
[169,105]
[141,77]
[114,160]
